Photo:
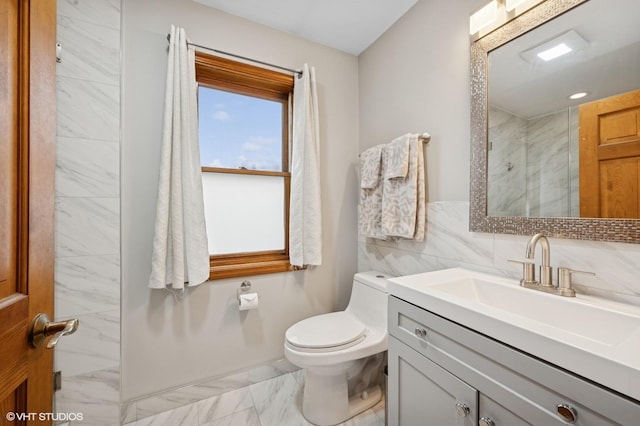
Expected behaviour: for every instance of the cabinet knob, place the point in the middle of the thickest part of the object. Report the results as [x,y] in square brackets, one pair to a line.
[567,412]
[462,409]
[486,421]
[420,332]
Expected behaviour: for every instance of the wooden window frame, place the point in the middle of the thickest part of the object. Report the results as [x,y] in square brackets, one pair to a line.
[244,79]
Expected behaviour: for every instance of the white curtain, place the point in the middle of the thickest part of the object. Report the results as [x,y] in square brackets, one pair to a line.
[180,251]
[305,216]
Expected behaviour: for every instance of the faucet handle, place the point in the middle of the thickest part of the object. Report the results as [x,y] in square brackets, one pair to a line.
[564,280]
[528,271]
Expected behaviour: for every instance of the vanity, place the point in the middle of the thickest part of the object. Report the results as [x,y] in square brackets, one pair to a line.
[467,348]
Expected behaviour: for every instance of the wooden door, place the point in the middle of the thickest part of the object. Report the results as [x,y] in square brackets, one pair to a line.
[610,157]
[27,165]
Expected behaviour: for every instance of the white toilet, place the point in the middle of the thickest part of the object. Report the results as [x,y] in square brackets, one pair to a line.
[338,352]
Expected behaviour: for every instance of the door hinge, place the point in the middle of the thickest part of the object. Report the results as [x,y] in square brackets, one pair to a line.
[58,53]
[57,380]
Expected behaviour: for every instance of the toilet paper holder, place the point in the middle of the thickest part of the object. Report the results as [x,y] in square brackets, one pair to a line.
[245,288]
[247,299]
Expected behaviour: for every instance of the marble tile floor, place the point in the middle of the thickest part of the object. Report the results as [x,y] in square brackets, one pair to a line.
[273,402]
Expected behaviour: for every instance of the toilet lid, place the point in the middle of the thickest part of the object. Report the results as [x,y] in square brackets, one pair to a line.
[325,331]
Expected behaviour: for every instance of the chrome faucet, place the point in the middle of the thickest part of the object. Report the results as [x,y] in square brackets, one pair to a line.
[564,286]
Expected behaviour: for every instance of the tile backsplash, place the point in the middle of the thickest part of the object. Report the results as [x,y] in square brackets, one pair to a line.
[449,244]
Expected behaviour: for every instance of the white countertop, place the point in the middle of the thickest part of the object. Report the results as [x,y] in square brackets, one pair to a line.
[592,337]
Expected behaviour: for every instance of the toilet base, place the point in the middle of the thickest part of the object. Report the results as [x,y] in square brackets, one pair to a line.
[326,402]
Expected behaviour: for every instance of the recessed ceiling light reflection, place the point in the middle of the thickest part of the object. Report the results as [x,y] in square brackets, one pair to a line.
[554,52]
[578,95]
[568,42]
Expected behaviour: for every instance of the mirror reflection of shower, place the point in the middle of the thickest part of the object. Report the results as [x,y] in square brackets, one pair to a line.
[533,164]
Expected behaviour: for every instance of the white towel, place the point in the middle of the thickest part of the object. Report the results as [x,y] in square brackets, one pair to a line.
[403,198]
[305,213]
[370,205]
[397,156]
[180,249]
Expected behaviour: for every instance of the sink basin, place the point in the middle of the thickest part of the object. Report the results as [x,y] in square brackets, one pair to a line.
[592,337]
[587,320]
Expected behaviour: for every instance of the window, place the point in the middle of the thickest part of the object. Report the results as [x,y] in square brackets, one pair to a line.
[244,133]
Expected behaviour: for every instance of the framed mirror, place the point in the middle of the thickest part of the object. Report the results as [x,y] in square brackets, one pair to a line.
[541,161]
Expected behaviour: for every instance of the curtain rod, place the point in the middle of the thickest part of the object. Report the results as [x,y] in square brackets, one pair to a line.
[295,72]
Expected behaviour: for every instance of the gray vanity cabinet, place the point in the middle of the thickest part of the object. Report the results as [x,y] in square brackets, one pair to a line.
[441,373]
[429,394]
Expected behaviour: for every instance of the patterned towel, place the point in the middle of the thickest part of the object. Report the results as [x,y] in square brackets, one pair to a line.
[370,206]
[397,157]
[403,198]
[370,163]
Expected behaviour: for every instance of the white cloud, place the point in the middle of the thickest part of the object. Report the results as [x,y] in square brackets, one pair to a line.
[215,163]
[221,115]
[251,146]
[258,143]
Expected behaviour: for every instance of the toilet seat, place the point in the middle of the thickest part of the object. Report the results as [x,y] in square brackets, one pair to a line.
[328,332]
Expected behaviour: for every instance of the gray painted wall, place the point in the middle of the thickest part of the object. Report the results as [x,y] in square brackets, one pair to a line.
[168,343]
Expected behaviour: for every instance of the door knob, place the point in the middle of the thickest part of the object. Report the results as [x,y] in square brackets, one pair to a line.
[42,327]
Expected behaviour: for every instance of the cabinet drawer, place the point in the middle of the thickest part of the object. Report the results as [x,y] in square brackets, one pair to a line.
[529,387]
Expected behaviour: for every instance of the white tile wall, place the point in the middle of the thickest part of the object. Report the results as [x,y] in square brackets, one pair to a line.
[95,395]
[449,244]
[87,226]
[86,284]
[273,402]
[207,390]
[87,168]
[102,12]
[96,57]
[88,208]
[543,156]
[87,109]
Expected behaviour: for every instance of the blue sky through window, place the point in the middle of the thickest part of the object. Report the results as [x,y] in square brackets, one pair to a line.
[239,131]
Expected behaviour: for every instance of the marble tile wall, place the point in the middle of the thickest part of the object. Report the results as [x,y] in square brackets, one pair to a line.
[533,165]
[574,162]
[449,244]
[548,169]
[274,401]
[205,393]
[506,177]
[87,272]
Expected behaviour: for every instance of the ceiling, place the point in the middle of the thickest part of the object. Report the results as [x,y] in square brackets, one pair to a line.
[347,25]
[609,65]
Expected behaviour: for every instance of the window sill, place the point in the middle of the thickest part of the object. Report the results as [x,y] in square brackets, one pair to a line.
[221,270]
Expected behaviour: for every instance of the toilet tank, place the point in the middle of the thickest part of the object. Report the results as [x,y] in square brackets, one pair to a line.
[368,300]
